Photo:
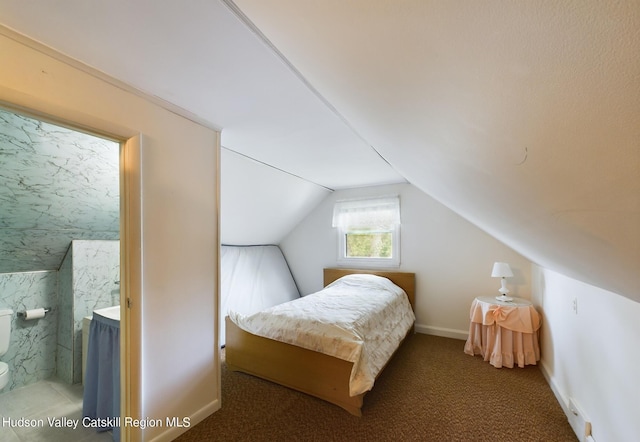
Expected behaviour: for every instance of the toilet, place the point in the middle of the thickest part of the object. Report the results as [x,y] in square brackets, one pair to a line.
[5,335]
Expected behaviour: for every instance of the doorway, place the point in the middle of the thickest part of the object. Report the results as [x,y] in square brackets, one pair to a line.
[60,225]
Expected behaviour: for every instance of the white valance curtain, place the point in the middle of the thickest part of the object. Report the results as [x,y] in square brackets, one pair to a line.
[381,213]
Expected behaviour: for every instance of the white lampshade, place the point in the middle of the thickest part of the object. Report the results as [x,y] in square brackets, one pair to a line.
[501,270]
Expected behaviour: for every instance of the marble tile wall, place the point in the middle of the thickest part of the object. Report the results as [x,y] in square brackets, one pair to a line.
[64,354]
[89,280]
[56,185]
[32,349]
[42,348]
[96,284]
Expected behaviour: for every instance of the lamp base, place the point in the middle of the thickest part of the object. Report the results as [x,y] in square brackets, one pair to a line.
[504,298]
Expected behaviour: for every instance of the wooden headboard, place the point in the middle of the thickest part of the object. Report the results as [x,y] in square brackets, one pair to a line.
[404,280]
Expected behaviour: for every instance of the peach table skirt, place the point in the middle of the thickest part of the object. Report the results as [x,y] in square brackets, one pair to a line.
[498,344]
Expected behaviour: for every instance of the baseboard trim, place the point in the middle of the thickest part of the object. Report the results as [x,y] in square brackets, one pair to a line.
[441,331]
[172,433]
[564,402]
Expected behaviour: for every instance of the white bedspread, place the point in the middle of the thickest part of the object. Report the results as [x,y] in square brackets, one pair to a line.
[358,318]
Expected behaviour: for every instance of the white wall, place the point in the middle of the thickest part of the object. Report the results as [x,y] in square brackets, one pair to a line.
[592,355]
[261,204]
[179,371]
[451,257]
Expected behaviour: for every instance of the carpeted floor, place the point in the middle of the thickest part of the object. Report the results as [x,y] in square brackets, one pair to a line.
[430,391]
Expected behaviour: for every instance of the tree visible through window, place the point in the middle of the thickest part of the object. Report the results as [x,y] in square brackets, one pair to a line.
[369,244]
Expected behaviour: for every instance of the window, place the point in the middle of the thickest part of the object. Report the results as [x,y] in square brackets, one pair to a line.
[368,231]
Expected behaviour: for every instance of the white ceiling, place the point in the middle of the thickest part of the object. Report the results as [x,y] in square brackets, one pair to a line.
[202,58]
[261,205]
[523,117]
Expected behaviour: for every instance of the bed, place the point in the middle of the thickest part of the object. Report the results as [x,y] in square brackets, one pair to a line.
[312,372]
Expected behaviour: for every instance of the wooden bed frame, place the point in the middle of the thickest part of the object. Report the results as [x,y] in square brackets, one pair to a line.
[316,374]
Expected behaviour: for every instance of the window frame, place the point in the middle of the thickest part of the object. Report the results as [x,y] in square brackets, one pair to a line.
[344,230]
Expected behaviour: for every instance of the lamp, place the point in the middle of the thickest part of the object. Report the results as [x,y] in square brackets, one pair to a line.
[502,270]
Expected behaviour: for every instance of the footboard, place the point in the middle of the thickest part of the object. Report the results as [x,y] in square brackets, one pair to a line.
[310,372]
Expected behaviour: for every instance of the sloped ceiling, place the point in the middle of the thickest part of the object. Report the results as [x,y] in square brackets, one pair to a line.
[523,117]
[254,196]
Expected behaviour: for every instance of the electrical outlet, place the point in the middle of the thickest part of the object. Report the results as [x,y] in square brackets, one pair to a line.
[575,305]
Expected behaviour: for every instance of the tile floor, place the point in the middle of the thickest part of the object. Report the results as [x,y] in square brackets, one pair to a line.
[38,403]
